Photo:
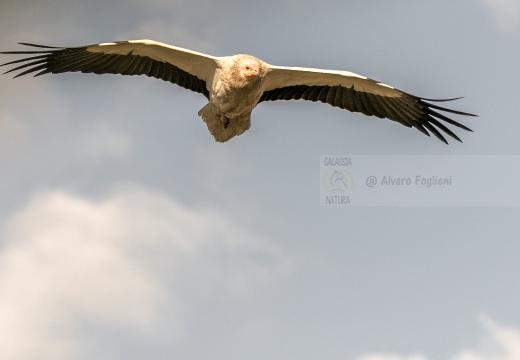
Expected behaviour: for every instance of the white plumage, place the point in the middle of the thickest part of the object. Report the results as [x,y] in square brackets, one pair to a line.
[235,85]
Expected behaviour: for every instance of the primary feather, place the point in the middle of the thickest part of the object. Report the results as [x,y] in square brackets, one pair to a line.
[234,85]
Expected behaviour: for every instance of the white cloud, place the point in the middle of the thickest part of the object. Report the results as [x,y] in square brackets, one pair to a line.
[129,265]
[499,343]
[506,13]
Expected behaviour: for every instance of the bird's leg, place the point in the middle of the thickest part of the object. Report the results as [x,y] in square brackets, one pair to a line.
[225,121]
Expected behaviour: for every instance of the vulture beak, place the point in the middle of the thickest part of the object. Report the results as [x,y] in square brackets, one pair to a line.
[254,73]
[258,74]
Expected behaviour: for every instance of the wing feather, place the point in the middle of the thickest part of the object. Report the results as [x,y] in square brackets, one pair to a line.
[311,93]
[183,67]
[377,106]
[392,111]
[299,92]
[293,93]
[338,97]
[357,93]
[443,127]
[331,95]
[322,95]
[349,96]
[359,103]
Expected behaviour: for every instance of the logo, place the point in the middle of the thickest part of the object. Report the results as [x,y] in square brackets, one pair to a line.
[337,181]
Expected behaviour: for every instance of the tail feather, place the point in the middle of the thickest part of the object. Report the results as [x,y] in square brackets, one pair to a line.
[221,127]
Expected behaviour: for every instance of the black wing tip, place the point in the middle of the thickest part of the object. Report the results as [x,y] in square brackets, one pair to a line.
[438,126]
[433,117]
[40,46]
[424,101]
[439,136]
[20,74]
[454,136]
[447,143]
[38,55]
[22,52]
[442,100]
[27,52]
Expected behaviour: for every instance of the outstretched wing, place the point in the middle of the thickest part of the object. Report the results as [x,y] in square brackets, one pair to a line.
[357,93]
[183,67]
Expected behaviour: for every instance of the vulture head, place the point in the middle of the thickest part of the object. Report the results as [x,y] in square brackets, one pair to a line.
[246,70]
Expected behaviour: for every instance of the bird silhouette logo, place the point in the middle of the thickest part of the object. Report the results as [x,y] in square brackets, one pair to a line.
[338,181]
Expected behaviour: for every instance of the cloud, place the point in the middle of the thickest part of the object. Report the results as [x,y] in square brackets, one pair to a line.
[498,343]
[506,13]
[76,272]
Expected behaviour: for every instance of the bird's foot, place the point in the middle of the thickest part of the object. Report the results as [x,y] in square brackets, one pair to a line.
[225,121]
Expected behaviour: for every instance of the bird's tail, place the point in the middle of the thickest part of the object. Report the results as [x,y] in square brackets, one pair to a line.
[221,127]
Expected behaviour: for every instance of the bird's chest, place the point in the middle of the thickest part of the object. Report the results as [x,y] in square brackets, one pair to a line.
[233,100]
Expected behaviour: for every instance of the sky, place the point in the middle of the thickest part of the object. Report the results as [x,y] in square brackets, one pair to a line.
[127,232]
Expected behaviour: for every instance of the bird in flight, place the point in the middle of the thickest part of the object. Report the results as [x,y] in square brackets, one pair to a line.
[235,85]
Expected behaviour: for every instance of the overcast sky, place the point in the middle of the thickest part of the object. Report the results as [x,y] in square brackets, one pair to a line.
[126,232]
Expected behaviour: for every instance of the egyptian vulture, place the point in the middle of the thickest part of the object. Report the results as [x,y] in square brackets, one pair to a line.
[234,85]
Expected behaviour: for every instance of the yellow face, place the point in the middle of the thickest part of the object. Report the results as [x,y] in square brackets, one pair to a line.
[250,68]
